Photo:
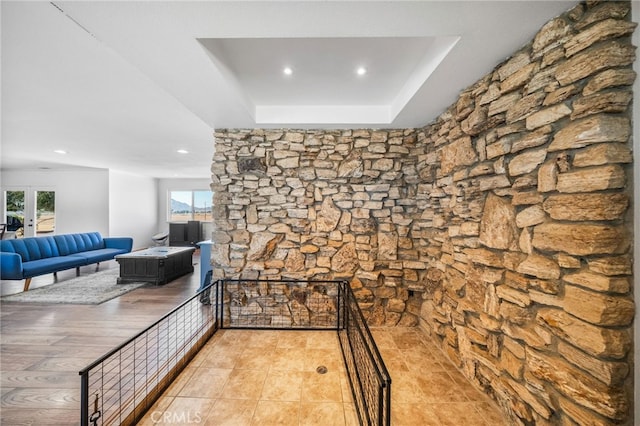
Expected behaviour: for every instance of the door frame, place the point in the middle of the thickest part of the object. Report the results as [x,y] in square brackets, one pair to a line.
[30,205]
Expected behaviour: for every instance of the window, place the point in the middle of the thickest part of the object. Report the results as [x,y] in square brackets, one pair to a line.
[190,205]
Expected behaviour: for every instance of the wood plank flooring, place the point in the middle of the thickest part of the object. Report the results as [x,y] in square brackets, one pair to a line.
[44,346]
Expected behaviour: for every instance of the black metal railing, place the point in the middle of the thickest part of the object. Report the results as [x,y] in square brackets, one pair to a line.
[119,387]
[281,304]
[368,376]
[122,385]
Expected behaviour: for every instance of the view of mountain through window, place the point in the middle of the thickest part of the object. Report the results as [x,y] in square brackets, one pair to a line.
[190,205]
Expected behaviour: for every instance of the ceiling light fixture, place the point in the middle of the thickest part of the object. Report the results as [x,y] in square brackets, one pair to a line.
[287,71]
[182,151]
[60,151]
[361,71]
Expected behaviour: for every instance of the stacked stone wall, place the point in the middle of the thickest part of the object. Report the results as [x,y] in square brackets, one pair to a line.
[317,204]
[503,228]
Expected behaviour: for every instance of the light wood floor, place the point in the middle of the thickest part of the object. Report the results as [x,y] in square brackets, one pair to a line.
[43,347]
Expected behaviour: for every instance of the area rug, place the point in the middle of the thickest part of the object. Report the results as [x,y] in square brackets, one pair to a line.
[91,289]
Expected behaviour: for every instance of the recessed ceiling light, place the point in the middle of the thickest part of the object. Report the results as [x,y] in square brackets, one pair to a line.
[182,151]
[60,151]
[287,71]
[361,71]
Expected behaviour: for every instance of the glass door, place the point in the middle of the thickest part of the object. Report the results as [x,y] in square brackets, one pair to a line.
[29,211]
[14,202]
[45,212]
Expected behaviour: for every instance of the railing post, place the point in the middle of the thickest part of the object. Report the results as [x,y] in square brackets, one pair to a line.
[222,288]
[84,398]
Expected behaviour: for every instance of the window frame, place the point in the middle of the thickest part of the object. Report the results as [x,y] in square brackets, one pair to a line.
[193,214]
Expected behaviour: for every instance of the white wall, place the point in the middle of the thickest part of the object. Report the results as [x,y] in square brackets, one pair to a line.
[82,196]
[133,210]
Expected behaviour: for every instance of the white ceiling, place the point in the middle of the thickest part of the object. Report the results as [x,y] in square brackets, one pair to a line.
[123,85]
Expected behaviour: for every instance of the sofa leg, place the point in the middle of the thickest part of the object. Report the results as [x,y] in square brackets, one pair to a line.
[55,276]
[78,271]
[27,282]
[97,266]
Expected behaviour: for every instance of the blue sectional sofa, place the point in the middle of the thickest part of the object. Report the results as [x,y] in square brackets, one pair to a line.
[25,258]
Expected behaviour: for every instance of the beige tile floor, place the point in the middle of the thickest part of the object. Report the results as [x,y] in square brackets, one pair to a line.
[265,377]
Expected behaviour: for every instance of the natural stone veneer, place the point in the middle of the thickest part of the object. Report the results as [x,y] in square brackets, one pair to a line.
[503,227]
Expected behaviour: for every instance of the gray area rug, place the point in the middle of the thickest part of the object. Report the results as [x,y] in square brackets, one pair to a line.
[91,289]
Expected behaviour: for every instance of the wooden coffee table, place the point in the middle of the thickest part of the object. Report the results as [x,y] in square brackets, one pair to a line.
[157,265]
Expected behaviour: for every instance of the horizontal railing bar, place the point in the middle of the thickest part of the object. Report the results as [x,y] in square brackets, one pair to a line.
[281,281]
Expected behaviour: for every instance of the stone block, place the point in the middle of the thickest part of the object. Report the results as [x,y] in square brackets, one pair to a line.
[526,198]
[493,182]
[548,177]
[602,102]
[611,266]
[609,78]
[597,341]
[526,334]
[597,282]
[606,153]
[514,296]
[593,179]
[578,415]
[524,242]
[525,107]
[587,207]
[499,148]
[328,216]
[593,129]
[500,104]
[600,12]
[609,54]
[561,94]
[484,257]
[457,153]
[540,267]
[530,216]
[580,239]
[568,262]
[550,34]
[603,30]
[598,308]
[611,373]
[519,77]
[497,227]
[387,246]
[547,116]
[578,386]
[345,260]
[513,64]
[532,139]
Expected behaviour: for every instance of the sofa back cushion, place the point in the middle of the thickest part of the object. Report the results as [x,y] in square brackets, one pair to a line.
[33,248]
[76,243]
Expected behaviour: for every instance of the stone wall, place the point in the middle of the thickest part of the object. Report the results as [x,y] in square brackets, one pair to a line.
[503,228]
[530,290]
[321,204]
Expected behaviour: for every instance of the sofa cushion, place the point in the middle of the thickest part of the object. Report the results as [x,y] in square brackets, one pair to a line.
[45,266]
[100,255]
[75,243]
[33,248]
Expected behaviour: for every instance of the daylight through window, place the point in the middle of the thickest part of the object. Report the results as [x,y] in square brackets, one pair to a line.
[190,205]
